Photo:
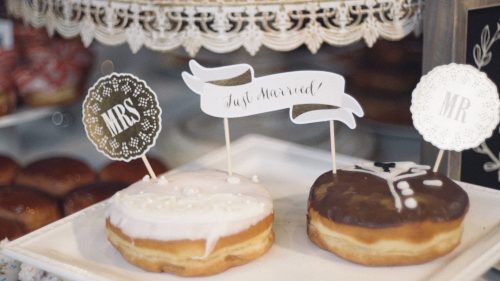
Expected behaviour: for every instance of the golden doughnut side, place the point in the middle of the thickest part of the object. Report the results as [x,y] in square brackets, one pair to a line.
[406,244]
[179,256]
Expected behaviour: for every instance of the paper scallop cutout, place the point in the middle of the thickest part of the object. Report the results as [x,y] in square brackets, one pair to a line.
[455,107]
[122,116]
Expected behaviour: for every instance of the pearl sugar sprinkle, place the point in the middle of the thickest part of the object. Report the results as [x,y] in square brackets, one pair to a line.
[233,180]
[255,179]
[162,180]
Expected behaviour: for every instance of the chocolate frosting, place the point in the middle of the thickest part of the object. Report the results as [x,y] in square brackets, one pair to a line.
[89,194]
[363,199]
[20,199]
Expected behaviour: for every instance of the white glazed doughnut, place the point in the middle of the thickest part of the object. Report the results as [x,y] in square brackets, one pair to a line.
[192,223]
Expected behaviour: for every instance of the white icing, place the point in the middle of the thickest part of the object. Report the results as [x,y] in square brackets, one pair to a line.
[233,180]
[192,205]
[411,203]
[402,185]
[162,180]
[407,192]
[402,170]
[397,200]
[145,178]
[433,182]
[405,188]
[255,178]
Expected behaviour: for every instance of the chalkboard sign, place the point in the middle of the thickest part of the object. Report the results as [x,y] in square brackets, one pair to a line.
[482,164]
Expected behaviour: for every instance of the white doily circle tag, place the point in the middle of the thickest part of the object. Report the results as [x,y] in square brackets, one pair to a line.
[455,107]
[122,116]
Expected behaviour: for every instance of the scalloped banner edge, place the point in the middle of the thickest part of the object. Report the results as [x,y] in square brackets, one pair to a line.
[423,80]
[120,75]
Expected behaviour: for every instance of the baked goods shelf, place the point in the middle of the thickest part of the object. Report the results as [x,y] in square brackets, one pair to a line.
[76,247]
[23,115]
[224,26]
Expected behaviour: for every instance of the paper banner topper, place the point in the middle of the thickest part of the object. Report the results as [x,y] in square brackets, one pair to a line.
[122,116]
[233,91]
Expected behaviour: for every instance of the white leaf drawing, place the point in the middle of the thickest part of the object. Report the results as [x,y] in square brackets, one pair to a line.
[476,53]
[485,36]
[487,58]
[482,57]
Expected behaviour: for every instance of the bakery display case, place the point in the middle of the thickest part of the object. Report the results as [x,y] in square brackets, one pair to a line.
[52,180]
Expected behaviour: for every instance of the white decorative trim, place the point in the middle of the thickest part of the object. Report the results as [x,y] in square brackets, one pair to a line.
[223,26]
[482,57]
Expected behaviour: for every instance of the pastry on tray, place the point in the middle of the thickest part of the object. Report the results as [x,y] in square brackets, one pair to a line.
[130,172]
[10,229]
[192,223]
[56,175]
[29,208]
[89,194]
[386,213]
[8,170]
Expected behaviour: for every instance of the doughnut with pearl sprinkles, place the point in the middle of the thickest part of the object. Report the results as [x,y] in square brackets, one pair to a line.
[191,223]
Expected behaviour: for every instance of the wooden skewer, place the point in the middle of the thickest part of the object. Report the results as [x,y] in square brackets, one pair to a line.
[332,147]
[148,167]
[438,161]
[228,147]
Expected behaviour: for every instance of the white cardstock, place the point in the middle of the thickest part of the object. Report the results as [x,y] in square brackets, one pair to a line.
[271,93]
[455,107]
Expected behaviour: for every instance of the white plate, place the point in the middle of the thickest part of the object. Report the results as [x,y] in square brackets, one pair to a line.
[76,247]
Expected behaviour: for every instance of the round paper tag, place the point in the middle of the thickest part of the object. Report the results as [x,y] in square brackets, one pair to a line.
[455,107]
[122,116]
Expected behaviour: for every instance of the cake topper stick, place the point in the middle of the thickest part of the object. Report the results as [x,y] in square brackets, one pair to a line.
[332,147]
[228,147]
[122,118]
[148,167]
[438,161]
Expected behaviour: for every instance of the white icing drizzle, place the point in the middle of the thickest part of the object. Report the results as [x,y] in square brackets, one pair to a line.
[402,185]
[192,205]
[433,183]
[162,180]
[411,203]
[255,179]
[405,188]
[397,201]
[233,180]
[394,174]
[407,192]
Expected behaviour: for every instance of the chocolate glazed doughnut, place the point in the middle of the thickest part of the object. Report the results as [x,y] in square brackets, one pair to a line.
[89,194]
[379,214]
[56,175]
[130,172]
[8,170]
[26,209]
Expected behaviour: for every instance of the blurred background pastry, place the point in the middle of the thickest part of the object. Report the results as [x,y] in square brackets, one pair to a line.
[55,175]
[42,71]
[89,194]
[8,170]
[31,208]
[8,97]
[130,172]
[10,229]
